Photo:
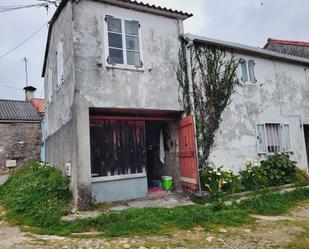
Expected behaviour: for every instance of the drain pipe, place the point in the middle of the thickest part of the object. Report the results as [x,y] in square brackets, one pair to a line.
[189,72]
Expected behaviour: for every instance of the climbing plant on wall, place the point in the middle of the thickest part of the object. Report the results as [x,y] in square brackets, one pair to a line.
[214,78]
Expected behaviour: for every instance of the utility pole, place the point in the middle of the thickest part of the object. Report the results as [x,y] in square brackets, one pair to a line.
[26,69]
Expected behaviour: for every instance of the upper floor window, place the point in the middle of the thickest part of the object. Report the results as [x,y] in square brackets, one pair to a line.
[60,76]
[247,70]
[273,138]
[124,46]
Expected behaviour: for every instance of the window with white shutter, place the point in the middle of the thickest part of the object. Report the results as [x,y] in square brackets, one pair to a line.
[261,138]
[247,70]
[273,138]
[60,76]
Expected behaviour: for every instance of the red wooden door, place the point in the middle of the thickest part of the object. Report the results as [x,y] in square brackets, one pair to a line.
[187,154]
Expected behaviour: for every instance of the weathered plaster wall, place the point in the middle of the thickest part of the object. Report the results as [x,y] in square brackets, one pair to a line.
[301,51]
[20,142]
[96,86]
[154,88]
[59,111]
[61,125]
[279,96]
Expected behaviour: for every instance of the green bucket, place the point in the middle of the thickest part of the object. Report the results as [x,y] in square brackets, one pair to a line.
[167,182]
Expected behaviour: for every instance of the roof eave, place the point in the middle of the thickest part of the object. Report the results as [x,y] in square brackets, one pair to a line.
[248,50]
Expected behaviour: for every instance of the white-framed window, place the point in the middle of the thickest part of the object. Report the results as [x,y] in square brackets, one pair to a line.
[273,138]
[60,76]
[247,70]
[50,85]
[123,42]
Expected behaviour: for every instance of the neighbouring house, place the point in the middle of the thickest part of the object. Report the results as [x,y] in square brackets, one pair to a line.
[20,132]
[114,122]
[268,113]
[39,105]
[296,48]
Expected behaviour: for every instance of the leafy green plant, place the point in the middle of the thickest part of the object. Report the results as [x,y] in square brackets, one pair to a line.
[279,169]
[219,182]
[301,177]
[252,177]
[36,195]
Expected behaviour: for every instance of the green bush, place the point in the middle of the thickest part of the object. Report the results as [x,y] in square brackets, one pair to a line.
[301,177]
[219,182]
[36,195]
[278,169]
[252,177]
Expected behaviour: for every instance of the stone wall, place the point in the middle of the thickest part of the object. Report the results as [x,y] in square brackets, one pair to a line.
[20,142]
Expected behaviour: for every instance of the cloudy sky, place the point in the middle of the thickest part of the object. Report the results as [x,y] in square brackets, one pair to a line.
[248,22]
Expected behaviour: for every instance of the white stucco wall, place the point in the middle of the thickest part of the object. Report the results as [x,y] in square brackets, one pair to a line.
[280,95]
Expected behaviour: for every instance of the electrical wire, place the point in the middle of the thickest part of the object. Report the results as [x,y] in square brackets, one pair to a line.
[25,40]
[11,87]
[17,7]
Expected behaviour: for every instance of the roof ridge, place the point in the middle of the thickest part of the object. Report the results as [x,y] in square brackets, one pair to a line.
[287,42]
[13,100]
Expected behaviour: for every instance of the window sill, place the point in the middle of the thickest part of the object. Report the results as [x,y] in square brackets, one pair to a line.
[273,153]
[115,178]
[125,67]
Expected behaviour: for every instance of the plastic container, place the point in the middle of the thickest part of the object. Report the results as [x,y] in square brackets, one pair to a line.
[167,182]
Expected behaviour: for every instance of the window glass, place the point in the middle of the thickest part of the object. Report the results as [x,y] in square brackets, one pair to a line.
[133,58]
[131,27]
[115,56]
[132,43]
[114,24]
[274,138]
[115,40]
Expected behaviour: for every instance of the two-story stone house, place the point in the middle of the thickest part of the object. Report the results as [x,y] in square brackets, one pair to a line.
[111,91]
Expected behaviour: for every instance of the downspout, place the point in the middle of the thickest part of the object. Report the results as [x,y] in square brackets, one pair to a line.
[191,94]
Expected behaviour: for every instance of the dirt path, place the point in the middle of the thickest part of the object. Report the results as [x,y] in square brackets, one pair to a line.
[289,231]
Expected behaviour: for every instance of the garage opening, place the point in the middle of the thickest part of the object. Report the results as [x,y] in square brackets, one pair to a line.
[128,148]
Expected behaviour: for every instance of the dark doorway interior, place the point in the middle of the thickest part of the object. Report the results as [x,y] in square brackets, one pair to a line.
[306,132]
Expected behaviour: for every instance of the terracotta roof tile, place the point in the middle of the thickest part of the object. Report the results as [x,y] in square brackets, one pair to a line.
[286,42]
[39,105]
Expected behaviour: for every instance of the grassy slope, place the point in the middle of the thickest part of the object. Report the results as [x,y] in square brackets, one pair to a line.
[37,196]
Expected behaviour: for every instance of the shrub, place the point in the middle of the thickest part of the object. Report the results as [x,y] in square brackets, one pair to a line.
[36,195]
[301,177]
[252,177]
[219,182]
[278,169]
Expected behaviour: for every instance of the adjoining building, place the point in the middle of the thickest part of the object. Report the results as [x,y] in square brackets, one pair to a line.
[20,132]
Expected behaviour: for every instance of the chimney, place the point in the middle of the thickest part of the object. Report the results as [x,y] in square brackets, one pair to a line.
[29,92]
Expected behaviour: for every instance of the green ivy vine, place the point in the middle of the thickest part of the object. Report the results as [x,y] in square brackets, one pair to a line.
[214,78]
